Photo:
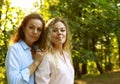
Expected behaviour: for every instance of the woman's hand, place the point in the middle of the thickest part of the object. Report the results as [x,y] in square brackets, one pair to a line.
[37,60]
[39,56]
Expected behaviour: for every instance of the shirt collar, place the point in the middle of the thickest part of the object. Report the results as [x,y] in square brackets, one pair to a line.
[24,45]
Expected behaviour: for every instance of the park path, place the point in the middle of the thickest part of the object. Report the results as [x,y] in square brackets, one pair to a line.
[107,78]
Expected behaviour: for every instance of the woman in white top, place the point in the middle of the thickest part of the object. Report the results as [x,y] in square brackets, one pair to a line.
[56,66]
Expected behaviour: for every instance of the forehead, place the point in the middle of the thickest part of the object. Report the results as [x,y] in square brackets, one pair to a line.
[59,25]
[35,21]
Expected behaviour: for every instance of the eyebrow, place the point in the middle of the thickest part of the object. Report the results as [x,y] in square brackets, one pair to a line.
[35,26]
[32,24]
[59,27]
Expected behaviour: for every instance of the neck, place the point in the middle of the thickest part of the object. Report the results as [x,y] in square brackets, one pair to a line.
[29,44]
[59,48]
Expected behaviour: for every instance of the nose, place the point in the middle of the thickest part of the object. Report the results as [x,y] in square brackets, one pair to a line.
[59,32]
[35,30]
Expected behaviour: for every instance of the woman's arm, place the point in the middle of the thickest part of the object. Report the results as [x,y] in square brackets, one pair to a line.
[13,63]
[35,64]
[13,66]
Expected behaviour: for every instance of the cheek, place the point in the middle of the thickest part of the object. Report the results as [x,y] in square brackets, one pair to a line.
[52,36]
[52,41]
[39,35]
[65,39]
[25,33]
[65,35]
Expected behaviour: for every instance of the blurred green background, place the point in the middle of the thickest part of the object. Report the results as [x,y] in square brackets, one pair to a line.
[94,25]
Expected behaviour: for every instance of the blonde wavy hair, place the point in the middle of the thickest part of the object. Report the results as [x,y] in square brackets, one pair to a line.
[46,37]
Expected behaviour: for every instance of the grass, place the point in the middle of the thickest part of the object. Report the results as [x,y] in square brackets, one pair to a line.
[107,78]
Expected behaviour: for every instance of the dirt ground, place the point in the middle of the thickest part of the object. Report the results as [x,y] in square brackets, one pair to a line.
[107,78]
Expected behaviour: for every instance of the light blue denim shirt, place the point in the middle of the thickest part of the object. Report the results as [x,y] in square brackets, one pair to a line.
[18,59]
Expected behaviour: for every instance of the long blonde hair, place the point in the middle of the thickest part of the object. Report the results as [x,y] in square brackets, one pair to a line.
[46,38]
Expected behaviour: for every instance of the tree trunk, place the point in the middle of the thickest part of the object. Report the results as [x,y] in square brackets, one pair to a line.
[77,70]
[119,56]
[84,68]
[99,67]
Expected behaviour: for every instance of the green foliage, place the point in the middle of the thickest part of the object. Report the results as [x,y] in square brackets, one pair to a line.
[3,79]
[94,26]
[93,23]
[10,18]
[9,21]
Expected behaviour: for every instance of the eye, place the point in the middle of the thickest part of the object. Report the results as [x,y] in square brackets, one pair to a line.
[54,30]
[31,27]
[63,30]
[39,30]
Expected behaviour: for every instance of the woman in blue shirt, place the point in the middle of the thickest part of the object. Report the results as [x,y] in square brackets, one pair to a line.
[22,59]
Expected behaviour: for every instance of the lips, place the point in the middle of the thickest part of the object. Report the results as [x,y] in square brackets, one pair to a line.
[59,38]
[34,38]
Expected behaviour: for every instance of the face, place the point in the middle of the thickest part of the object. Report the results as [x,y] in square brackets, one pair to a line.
[32,31]
[59,34]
